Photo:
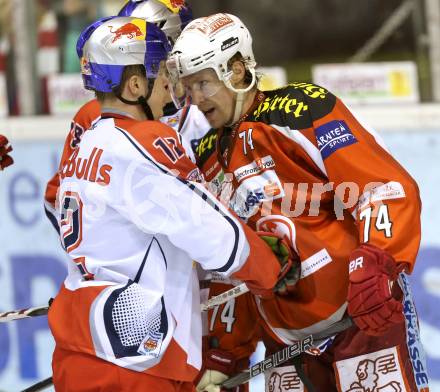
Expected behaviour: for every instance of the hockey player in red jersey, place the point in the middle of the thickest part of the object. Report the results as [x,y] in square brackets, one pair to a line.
[299,164]
[5,148]
[132,219]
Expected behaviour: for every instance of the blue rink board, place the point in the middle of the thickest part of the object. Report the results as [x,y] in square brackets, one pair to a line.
[32,264]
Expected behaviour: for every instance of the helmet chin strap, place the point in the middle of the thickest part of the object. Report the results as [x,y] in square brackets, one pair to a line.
[238,108]
[239,100]
[143,101]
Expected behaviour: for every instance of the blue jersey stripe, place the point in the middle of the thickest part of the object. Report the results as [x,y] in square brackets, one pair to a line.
[204,195]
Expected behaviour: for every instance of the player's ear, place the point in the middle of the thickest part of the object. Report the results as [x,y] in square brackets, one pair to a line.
[135,86]
[238,74]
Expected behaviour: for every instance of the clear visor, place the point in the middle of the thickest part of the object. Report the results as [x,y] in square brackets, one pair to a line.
[177,90]
[184,93]
[178,94]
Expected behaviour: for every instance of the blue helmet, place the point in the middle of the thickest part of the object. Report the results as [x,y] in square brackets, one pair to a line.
[171,16]
[109,44]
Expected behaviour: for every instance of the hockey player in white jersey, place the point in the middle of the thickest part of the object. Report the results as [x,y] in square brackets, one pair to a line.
[172,17]
[133,219]
[189,122]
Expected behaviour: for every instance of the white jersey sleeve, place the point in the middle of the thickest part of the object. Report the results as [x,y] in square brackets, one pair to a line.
[158,201]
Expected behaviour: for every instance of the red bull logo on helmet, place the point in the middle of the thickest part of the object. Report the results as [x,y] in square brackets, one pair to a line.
[135,29]
[174,5]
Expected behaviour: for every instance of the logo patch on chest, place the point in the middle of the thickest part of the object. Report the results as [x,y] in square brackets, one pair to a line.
[255,190]
[253,168]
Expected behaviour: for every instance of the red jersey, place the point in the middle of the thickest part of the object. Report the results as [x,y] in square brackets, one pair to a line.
[233,326]
[301,165]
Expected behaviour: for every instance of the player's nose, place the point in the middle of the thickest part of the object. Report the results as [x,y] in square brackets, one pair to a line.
[197,97]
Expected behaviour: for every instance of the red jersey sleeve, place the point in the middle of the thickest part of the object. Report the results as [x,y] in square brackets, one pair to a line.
[82,121]
[382,197]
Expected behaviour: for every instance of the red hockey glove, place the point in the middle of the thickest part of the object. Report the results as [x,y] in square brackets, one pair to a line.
[289,260]
[372,272]
[5,159]
[217,367]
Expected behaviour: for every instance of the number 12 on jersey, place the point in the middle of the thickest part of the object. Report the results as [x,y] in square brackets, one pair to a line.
[169,147]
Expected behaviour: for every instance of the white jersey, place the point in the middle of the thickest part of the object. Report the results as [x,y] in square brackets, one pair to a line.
[133,219]
[191,124]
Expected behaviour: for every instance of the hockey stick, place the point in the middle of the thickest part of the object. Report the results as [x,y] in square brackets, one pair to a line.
[224,297]
[42,310]
[23,313]
[39,386]
[286,353]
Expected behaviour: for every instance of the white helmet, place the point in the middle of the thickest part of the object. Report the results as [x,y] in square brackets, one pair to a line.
[171,16]
[210,42]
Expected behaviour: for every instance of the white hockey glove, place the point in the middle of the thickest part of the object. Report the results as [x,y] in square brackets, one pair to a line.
[217,367]
[211,381]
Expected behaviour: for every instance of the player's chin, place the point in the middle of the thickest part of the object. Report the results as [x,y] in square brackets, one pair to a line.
[215,119]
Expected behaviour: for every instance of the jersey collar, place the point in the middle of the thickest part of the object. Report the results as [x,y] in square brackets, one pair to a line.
[115,113]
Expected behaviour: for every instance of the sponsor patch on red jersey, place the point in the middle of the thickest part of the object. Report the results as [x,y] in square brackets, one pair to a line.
[254,167]
[332,136]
